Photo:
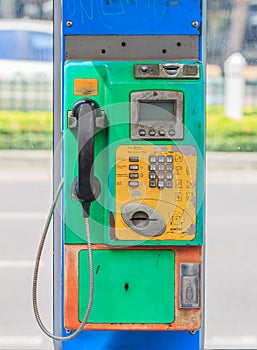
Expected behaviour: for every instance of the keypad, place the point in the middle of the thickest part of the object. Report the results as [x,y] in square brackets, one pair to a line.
[160,171]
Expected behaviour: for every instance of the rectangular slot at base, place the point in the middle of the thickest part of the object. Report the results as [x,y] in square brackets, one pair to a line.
[190,285]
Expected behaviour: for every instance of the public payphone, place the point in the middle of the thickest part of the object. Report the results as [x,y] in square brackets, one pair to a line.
[139,160]
[133,167]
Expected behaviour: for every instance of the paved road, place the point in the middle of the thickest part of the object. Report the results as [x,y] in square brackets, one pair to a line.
[231,317]
[25,196]
[231,281]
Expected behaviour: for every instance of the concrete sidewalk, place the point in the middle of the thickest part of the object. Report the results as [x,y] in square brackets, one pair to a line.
[26,166]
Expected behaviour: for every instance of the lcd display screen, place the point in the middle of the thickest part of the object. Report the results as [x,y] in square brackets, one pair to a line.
[157,110]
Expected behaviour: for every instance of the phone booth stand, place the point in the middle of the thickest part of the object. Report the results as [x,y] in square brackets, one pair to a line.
[131,232]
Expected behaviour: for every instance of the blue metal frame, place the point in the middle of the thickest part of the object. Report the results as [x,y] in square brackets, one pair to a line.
[132,17]
[134,340]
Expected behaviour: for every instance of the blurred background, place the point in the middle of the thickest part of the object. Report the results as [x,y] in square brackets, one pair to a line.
[26,118]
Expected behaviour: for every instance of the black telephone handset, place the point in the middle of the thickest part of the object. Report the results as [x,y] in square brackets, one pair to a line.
[87,187]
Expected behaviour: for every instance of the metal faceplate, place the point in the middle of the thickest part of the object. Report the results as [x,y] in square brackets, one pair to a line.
[103,47]
[167,71]
[155,192]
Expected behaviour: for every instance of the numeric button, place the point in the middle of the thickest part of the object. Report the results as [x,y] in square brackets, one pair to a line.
[152,167]
[133,167]
[168,175]
[161,184]
[161,159]
[152,159]
[161,175]
[133,175]
[168,183]
[152,183]
[133,183]
[133,159]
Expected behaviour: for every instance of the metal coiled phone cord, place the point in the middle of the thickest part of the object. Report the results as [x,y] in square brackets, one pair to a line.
[36,270]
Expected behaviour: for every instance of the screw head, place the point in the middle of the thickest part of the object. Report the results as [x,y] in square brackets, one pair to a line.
[144,68]
[195,23]
[69,23]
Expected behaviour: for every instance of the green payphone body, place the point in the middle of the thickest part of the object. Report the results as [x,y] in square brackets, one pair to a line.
[144,165]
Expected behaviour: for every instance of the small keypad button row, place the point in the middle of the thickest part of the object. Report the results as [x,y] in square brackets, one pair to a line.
[160,183]
[160,159]
[153,132]
[160,167]
[160,175]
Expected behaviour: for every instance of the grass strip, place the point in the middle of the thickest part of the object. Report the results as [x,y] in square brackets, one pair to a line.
[229,135]
[33,130]
[26,130]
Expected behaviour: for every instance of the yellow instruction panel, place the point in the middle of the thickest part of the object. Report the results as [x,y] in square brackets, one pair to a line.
[155,192]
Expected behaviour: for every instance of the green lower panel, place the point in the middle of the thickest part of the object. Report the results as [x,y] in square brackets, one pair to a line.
[131,286]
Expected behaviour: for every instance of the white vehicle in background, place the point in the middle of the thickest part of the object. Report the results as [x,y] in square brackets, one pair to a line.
[26,64]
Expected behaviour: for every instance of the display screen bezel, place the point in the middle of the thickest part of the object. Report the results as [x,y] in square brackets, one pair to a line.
[157,128]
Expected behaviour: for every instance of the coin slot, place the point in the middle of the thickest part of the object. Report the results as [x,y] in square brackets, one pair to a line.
[140,219]
[171,69]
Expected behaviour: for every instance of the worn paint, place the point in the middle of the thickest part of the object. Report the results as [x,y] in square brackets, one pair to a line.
[185,319]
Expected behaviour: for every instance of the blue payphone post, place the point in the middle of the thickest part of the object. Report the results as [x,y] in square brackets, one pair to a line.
[132,160]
